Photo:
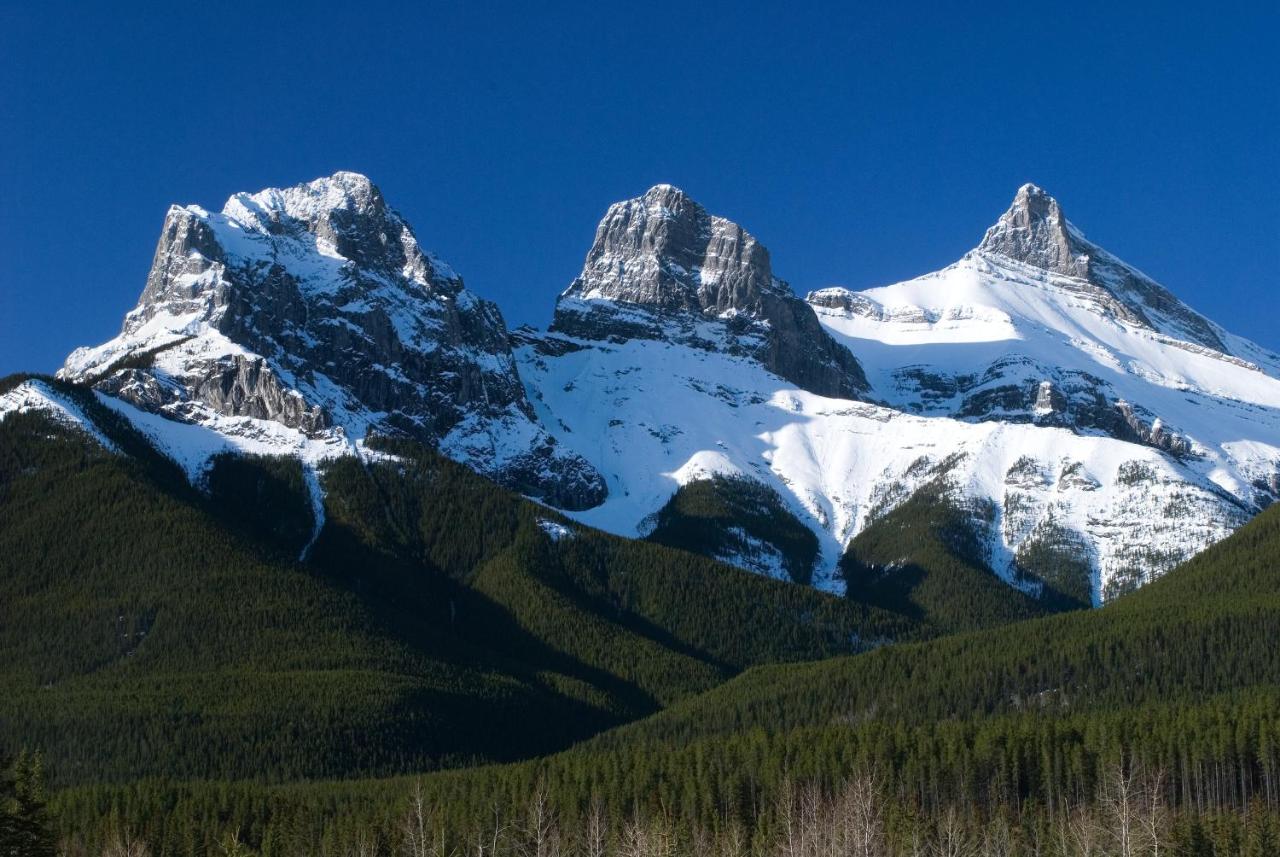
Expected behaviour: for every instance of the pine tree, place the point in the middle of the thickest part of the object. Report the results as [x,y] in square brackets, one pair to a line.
[24,821]
[9,839]
[1264,835]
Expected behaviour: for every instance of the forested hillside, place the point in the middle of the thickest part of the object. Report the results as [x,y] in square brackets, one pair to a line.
[1165,700]
[148,628]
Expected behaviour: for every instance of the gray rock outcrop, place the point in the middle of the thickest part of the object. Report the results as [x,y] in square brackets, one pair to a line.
[662,267]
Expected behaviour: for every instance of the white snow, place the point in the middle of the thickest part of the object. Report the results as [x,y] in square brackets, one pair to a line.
[755,555]
[652,415]
[554,529]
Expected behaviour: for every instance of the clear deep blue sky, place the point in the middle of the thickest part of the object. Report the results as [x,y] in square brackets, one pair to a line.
[861,145]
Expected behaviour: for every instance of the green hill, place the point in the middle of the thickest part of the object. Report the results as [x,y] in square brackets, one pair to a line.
[1020,725]
[150,629]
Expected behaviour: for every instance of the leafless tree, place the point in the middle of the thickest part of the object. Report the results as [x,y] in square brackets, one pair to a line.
[1120,798]
[917,845]
[541,833]
[997,839]
[647,838]
[1153,816]
[860,814]
[951,839]
[1078,833]
[417,827]
[788,823]
[488,842]
[595,833]
[812,826]
[731,842]
[125,844]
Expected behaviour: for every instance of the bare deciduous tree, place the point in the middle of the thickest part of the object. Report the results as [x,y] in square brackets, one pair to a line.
[541,833]
[488,842]
[125,844]
[997,839]
[1079,834]
[1119,797]
[595,834]
[951,839]
[731,842]
[861,816]
[1153,816]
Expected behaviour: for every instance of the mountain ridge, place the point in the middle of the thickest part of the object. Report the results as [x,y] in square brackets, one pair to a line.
[1059,398]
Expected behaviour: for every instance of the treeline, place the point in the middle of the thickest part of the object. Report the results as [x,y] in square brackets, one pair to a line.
[926,558]
[737,516]
[1128,814]
[1206,628]
[1218,763]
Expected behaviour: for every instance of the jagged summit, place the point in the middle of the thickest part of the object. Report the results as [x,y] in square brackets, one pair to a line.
[348,214]
[1035,232]
[313,307]
[665,250]
[662,267]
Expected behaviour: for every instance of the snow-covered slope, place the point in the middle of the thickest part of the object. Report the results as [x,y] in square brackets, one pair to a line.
[994,337]
[35,396]
[305,318]
[1060,394]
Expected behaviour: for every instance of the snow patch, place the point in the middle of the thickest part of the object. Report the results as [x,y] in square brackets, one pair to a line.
[554,529]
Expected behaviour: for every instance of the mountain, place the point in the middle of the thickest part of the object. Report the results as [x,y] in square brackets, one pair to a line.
[1081,428]
[301,320]
[1039,325]
[1061,421]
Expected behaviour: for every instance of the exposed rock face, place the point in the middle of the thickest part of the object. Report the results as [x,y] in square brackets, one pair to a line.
[315,307]
[661,267]
[1034,231]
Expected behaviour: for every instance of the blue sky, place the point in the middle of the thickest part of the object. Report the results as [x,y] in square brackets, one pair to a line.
[861,145]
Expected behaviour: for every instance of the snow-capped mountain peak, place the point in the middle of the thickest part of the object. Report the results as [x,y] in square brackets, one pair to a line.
[1065,399]
[666,251]
[313,307]
[1067,405]
[1035,232]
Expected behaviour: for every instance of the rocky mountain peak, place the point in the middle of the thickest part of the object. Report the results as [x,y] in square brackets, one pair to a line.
[1034,231]
[346,214]
[665,250]
[314,307]
[662,267]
